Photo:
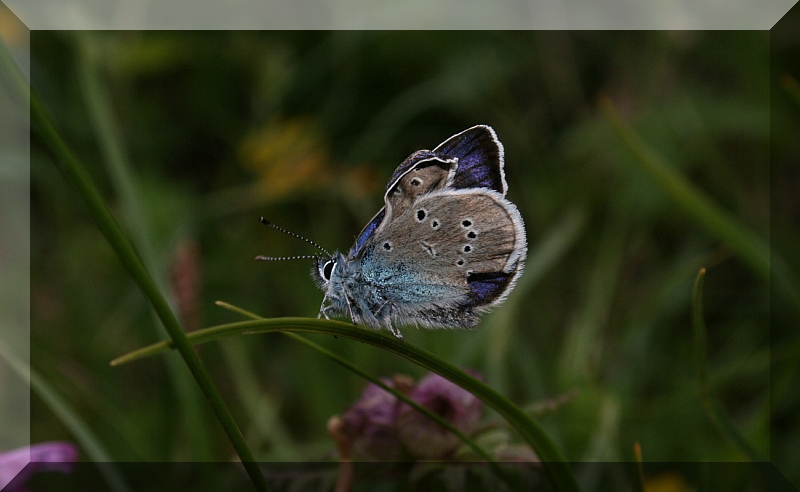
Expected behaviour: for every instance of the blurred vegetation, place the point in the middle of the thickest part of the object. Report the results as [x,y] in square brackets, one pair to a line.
[194,135]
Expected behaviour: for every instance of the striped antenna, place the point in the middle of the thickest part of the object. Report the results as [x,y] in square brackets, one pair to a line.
[278,258]
[298,236]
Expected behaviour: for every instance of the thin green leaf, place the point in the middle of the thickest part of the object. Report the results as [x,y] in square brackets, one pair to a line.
[713,409]
[536,437]
[498,337]
[748,246]
[121,176]
[585,335]
[108,225]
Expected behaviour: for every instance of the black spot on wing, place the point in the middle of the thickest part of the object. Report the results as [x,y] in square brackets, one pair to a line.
[408,164]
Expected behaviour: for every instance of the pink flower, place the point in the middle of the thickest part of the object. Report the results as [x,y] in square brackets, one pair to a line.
[18,465]
[379,427]
[426,439]
[367,428]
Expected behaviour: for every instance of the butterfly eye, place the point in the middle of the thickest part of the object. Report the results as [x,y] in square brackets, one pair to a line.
[327,269]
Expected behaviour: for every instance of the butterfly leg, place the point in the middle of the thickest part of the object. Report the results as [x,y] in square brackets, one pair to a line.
[323,309]
[395,331]
[385,313]
[350,309]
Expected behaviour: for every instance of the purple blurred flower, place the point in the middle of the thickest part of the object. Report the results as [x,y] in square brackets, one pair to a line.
[366,431]
[425,438]
[46,456]
[379,427]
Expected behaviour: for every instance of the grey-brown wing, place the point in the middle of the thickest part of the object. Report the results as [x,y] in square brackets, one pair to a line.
[426,177]
[444,244]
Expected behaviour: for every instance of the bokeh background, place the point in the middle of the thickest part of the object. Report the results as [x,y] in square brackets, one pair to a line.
[194,135]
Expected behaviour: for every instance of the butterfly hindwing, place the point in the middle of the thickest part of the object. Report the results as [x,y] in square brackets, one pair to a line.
[442,250]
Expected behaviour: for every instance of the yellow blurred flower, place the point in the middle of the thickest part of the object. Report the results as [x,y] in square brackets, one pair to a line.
[666,482]
[11,28]
[287,156]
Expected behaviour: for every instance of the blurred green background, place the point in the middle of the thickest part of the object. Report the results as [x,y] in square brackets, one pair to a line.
[194,135]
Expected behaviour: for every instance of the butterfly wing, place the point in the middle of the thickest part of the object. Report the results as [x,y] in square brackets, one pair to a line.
[470,159]
[480,159]
[421,173]
[479,156]
[367,233]
[449,255]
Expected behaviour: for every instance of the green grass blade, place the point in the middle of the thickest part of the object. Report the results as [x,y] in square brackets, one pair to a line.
[499,338]
[754,251]
[749,246]
[400,396]
[75,171]
[110,142]
[82,433]
[550,455]
[585,333]
[121,176]
[713,409]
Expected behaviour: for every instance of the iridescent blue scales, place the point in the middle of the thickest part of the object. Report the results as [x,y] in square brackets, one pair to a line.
[446,246]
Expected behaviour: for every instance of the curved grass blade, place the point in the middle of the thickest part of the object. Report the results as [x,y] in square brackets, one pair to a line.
[376,381]
[550,455]
[713,409]
[69,164]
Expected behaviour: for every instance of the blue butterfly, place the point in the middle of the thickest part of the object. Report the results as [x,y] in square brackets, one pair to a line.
[446,246]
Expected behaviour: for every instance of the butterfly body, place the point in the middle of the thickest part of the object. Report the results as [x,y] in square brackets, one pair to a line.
[446,247]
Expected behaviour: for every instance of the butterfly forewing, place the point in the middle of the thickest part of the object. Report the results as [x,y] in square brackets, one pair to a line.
[480,159]
[421,180]
[470,159]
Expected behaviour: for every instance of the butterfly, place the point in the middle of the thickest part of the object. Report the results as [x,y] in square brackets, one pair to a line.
[446,247]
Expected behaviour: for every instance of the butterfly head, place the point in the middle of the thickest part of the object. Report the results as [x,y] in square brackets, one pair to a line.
[323,269]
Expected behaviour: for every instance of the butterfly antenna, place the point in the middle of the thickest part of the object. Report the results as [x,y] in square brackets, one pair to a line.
[279,258]
[298,236]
